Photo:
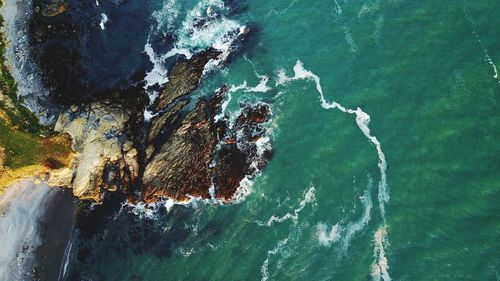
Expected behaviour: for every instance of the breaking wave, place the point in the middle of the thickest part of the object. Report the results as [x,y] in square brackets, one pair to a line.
[204,26]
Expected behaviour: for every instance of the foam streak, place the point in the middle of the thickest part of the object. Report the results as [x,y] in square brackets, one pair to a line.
[363,122]
[308,197]
[487,57]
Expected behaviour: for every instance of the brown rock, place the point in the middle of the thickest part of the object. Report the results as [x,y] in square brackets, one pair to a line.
[185,77]
[165,120]
[54,8]
[181,167]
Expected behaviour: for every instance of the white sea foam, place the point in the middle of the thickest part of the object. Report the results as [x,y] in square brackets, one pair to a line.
[245,189]
[362,120]
[327,236]
[262,87]
[217,31]
[381,265]
[487,57]
[159,74]
[309,196]
[167,15]
[150,211]
[141,209]
[67,256]
[355,227]
[338,9]
[104,20]
[264,269]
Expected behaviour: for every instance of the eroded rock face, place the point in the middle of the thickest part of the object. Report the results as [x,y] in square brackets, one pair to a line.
[105,159]
[206,157]
[185,77]
[181,166]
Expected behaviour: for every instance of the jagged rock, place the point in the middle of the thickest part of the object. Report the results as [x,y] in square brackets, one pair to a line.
[185,77]
[184,165]
[165,120]
[243,151]
[99,141]
[181,167]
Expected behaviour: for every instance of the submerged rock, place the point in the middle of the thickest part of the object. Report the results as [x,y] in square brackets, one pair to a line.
[54,8]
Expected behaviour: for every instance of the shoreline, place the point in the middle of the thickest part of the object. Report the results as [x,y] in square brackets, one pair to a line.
[44,218]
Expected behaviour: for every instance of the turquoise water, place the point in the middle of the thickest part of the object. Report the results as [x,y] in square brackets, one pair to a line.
[424,71]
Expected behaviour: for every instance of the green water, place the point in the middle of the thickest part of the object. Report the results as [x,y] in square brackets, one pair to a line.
[420,70]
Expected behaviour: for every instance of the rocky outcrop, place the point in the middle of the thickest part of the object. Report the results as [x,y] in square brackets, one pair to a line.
[106,160]
[185,77]
[244,150]
[181,166]
[206,157]
[189,148]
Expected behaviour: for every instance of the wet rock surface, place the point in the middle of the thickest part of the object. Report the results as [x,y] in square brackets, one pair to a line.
[181,166]
[185,77]
[205,157]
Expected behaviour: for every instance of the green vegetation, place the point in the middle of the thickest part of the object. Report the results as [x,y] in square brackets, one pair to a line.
[19,115]
[21,148]
[19,127]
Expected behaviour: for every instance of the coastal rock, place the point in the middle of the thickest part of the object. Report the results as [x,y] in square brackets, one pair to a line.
[185,77]
[244,150]
[199,160]
[165,120]
[54,8]
[104,154]
[181,166]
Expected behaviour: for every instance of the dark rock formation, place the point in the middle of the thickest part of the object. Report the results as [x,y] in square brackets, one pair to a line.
[181,167]
[185,77]
[239,155]
[184,164]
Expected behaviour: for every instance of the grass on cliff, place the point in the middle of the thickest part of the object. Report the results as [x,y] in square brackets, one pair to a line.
[21,148]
